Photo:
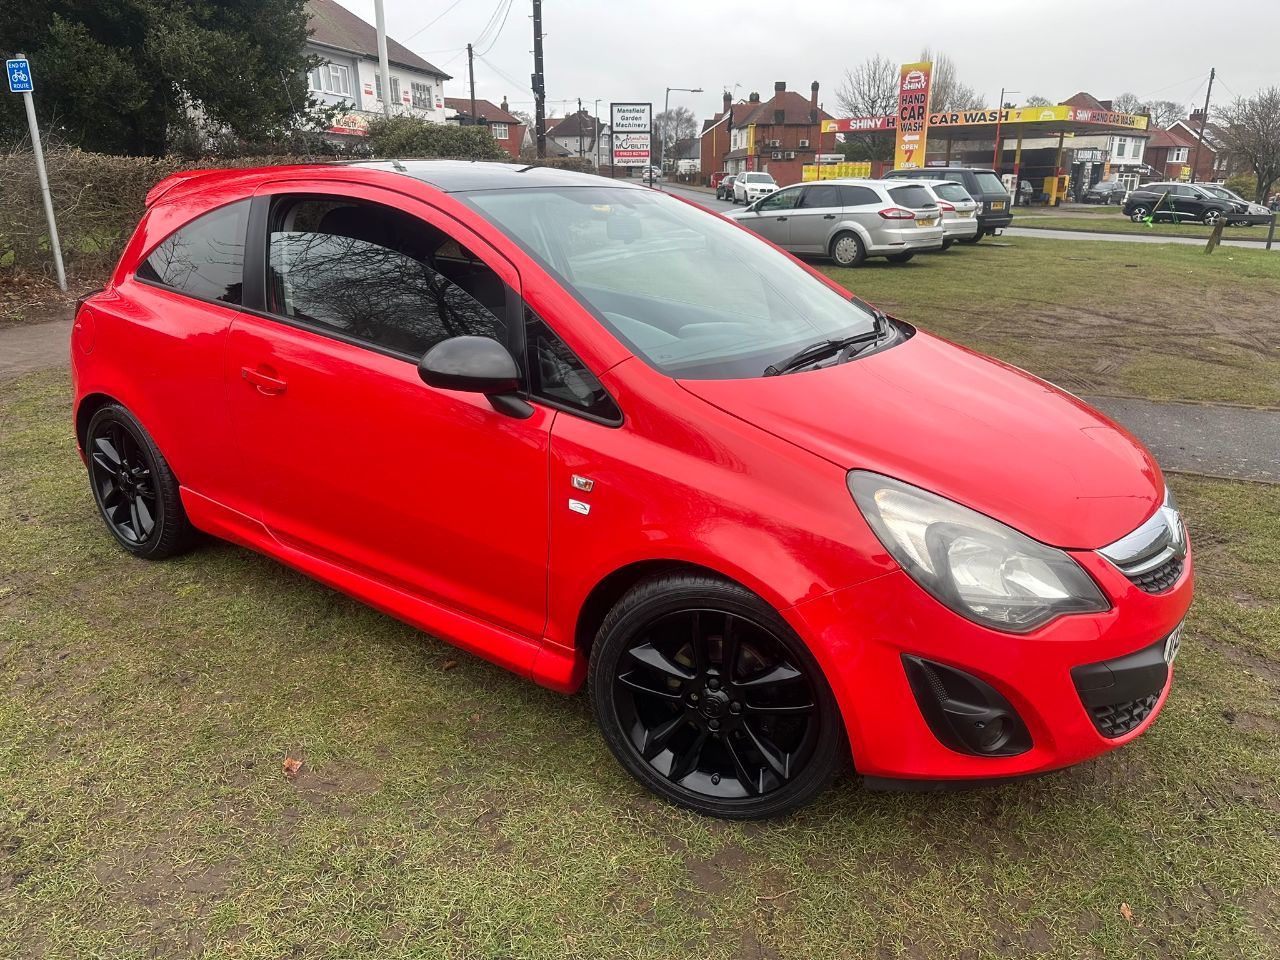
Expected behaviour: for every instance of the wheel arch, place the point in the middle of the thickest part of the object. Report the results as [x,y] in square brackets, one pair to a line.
[86,407]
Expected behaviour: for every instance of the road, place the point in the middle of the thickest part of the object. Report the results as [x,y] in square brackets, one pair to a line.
[709,201]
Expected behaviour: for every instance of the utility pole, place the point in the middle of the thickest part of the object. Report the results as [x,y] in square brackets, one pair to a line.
[384,65]
[471,75]
[1204,118]
[580,118]
[539,84]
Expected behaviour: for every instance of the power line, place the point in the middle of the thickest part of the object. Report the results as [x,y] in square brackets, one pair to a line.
[431,21]
[1198,76]
[498,32]
[505,76]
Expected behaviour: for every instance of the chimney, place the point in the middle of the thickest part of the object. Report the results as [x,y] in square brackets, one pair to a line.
[1197,116]
[754,98]
[779,86]
[728,101]
[505,108]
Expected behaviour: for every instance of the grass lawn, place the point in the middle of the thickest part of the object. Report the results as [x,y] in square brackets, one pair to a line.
[448,809]
[1151,320]
[1121,224]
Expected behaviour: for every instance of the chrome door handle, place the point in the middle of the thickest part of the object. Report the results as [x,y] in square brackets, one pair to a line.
[828,216]
[266,384]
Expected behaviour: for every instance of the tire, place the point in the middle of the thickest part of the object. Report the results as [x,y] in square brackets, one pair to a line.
[1211,218]
[685,725]
[1138,214]
[948,243]
[847,249]
[900,258]
[133,486]
[974,239]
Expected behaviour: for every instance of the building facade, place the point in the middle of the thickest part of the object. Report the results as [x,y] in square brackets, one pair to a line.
[582,135]
[778,136]
[506,127]
[349,76]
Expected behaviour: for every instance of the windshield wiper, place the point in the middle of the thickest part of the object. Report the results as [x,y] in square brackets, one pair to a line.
[841,347]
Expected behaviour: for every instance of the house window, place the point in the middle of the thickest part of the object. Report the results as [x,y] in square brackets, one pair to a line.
[1122,145]
[1179,154]
[421,95]
[395,89]
[331,78]
[377,85]
[500,131]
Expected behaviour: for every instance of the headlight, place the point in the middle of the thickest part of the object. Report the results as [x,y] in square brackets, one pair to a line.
[981,569]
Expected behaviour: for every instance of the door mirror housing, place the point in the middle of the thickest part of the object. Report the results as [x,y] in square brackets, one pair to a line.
[476,365]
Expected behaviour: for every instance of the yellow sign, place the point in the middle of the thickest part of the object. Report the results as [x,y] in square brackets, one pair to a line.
[912,119]
[836,171]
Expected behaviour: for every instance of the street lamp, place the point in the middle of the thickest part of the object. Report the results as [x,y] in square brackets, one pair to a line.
[995,154]
[666,107]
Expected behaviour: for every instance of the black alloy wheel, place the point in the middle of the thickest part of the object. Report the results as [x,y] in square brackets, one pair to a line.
[136,492]
[707,697]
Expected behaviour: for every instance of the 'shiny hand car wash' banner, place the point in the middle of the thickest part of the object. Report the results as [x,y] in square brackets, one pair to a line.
[913,115]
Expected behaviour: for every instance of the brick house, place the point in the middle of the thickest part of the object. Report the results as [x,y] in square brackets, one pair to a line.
[1215,162]
[506,127]
[582,135]
[778,135]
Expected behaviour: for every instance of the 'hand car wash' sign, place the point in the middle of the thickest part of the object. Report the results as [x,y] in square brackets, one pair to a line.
[913,115]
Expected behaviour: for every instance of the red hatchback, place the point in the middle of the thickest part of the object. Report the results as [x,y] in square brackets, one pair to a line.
[599,435]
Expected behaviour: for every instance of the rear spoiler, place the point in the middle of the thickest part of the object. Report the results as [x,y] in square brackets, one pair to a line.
[173,180]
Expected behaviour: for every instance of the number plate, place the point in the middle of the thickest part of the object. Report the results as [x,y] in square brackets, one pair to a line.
[966,213]
[1172,644]
[998,205]
[925,223]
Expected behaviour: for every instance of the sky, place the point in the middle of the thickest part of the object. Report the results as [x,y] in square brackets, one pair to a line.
[633,49]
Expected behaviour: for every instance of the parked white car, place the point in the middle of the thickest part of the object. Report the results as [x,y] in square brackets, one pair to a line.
[959,210]
[751,186]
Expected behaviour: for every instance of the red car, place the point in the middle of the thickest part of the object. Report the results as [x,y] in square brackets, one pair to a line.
[599,435]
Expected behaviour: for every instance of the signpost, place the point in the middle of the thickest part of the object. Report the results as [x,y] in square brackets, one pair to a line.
[19,71]
[913,115]
[632,127]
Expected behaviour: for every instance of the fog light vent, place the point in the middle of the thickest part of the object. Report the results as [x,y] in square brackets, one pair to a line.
[966,714]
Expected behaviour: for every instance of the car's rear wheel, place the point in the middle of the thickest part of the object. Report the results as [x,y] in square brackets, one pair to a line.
[708,698]
[847,249]
[133,486]
[1138,214]
[900,257]
[974,239]
[946,244]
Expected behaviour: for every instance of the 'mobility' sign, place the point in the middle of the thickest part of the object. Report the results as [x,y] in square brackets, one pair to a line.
[631,125]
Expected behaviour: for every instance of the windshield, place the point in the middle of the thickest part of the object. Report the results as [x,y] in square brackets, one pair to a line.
[988,182]
[951,191]
[756,178]
[693,295]
[913,196]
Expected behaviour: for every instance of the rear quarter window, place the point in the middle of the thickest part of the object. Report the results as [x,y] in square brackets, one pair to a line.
[204,259]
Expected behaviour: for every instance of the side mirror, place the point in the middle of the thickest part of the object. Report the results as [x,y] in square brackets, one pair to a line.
[476,365]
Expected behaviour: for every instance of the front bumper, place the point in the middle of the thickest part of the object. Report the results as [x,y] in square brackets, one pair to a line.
[861,635]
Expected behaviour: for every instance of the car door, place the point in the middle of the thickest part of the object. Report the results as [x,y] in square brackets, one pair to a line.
[814,217]
[772,215]
[1184,202]
[354,459]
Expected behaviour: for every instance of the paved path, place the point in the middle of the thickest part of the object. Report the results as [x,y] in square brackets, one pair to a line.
[1128,238]
[1196,438]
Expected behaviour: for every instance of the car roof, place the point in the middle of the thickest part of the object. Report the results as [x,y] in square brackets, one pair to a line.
[460,176]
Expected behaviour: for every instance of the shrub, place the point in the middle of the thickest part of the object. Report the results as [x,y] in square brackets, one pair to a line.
[1245,184]
[406,137]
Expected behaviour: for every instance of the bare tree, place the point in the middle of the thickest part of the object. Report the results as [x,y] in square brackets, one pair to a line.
[946,92]
[1250,130]
[1164,113]
[1035,100]
[870,90]
[679,123]
[1126,103]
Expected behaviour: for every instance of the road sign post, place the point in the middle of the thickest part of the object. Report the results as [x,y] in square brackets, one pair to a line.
[19,71]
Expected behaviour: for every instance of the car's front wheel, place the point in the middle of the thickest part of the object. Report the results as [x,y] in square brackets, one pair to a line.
[847,249]
[1211,218]
[133,486]
[709,699]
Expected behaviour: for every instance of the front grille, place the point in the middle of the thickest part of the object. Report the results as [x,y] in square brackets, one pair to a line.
[1160,579]
[1117,719]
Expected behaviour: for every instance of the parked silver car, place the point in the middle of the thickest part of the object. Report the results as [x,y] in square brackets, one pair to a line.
[848,220]
[959,210]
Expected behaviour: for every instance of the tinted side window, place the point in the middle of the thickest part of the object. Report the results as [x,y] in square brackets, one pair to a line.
[557,375]
[851,196]
[205,258]
[821,195]
[912,196]
[379,275]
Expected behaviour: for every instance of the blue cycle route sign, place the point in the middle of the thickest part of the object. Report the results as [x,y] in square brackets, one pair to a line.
[19,76]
